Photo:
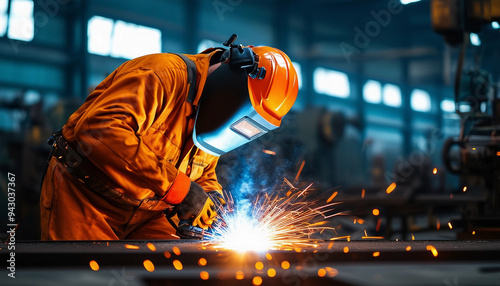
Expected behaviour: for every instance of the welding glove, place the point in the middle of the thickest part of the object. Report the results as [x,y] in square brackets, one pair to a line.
[217,199]
[197,207]
[219,203]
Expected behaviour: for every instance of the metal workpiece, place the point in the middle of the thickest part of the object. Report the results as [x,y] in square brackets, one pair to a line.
[185,262]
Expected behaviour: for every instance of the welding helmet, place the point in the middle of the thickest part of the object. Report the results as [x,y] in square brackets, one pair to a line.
[244,98]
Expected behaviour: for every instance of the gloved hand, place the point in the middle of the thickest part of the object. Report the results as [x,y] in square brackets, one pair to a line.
[218,200]
[219,203]
[197,207]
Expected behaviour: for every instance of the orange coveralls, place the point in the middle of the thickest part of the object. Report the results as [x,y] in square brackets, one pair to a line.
[135,127]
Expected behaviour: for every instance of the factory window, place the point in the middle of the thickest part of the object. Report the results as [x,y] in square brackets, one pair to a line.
[405,2]
[391,95]
[131,41]
[3,17]
[372,91]
[99,34]
[120,39]
[331,83]
[448,105]
[19,23]
[420,100]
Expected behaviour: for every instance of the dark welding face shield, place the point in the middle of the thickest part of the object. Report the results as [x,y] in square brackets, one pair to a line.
[244,98]
[226,118]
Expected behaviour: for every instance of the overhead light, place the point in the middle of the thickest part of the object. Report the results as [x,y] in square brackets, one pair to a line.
[405,2]
[495,25]
[474,39]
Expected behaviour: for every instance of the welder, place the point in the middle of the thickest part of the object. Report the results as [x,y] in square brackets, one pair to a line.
[147,141]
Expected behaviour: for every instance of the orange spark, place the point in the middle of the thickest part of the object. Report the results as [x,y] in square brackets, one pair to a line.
[167,254]
[438,224]
[434,171]
[464,189]
[408,248]
[449,225]
[148,265]
[372,237]
[321,272]
[379,223]
[330,245]
[363,193]
[269,152]
[300,170]
[269,256]
[432,249]
[204,275]
[358,220]
[498,153]
[331,272]
[240,275]
[390,188]
[473,232]
[332,197]
[271,272]
[346,249]
[375,212]
[259,265]
[289,184]
[177,264]
[376,254]
[130,246]
[341,237]
[151,246]
[285,264]
[93,265]
[176,250]
[202,262]
[257,280]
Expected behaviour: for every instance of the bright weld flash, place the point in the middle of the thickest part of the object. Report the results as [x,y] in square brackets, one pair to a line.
[286,218]
[243,234]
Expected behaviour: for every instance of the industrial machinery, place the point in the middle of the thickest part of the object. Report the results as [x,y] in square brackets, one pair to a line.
[478,105]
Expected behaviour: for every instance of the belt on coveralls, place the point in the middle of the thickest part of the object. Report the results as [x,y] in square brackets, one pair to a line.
[84,171]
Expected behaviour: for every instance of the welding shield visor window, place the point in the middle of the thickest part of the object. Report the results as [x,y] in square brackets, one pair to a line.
[226,118]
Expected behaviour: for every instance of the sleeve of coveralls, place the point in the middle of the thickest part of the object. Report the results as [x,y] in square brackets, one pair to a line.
[111,129]
[208,179]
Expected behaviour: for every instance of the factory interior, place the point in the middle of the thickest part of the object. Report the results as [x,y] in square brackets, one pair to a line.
[395,129]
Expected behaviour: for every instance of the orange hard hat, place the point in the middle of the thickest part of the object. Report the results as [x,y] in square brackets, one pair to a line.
[274,95]
[244,98]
